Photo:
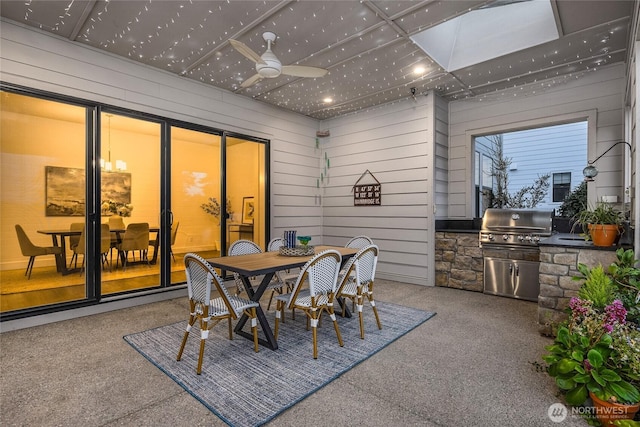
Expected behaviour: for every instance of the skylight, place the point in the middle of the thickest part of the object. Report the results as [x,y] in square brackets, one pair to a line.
[488,33]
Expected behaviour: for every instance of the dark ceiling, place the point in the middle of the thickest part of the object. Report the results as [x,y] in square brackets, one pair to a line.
[365,45]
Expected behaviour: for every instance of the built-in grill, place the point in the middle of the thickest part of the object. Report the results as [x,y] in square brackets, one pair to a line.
[509,240]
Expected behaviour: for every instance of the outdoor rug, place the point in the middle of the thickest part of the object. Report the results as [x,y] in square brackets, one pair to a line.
[245,388]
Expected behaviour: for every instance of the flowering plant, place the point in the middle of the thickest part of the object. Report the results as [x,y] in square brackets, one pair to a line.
[212,207]
[597,352]
[117,208]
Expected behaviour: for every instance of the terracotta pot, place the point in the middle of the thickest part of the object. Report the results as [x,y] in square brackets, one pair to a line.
[603,234]
[608,412]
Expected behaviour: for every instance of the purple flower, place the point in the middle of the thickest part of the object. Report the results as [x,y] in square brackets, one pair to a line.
[615,313]
[578,306]
[587,365]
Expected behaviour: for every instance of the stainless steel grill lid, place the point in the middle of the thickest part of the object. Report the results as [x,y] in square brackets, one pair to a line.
[518,220]
[515,227]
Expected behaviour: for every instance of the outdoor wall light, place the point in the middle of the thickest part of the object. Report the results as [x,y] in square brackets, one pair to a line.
[590,171]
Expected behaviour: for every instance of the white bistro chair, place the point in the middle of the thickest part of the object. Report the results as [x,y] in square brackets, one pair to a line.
[242,247]
[356,282]
[321,274]
[282,281]
[201,278]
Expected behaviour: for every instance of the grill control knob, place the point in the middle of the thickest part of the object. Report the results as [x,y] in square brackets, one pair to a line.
[536,239]
[505,237]
[491,237]
[521,238]
[528,238]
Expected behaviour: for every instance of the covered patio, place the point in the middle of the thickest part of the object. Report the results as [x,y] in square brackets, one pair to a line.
[474,363]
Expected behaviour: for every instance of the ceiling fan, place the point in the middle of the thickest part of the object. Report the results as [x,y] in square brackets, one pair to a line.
[268,66]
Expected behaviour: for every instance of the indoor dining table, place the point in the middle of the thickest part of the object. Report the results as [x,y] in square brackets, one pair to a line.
[59,236]
[266,263]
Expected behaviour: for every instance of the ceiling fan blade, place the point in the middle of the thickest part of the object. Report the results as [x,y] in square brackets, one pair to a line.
[246,51]
[302,71]
[251,81]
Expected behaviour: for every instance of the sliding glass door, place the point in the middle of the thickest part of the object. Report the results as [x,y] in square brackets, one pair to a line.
[130,201]
[98,201]
[196,203]
[42,204]
[245,189]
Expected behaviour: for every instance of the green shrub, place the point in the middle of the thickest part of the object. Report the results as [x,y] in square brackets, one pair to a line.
[598,287]
[575,202]
[626,276]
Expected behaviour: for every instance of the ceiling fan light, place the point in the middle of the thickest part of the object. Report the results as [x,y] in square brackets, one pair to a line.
[267,71]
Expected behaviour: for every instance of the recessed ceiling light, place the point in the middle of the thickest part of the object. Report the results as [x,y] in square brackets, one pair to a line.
[327,100]
[419,70]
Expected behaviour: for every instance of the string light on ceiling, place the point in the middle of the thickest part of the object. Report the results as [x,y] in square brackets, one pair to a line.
[371,58]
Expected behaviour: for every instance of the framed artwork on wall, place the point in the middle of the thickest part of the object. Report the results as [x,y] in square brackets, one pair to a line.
[65,190]
[248,210]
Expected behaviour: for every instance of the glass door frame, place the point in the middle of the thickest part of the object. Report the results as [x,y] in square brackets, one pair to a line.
[92,218]
[223,182]
[164,214]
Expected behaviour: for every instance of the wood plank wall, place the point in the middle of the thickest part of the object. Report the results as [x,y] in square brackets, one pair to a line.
[598,96]
[396,144]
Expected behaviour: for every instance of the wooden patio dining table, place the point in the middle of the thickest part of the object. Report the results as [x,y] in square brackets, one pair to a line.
[266,263]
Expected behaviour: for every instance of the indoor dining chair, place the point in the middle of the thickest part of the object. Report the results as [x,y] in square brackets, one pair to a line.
[174,234]
[116,223]
[201,278]
[74,240]
[356,282]
[105,246]
[135,238]
[242,247]
[32,251]
[321,275]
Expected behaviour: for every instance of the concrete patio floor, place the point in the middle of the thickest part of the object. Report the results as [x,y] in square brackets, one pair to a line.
[473,364]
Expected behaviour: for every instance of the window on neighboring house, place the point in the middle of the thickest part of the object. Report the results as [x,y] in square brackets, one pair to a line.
[561,186]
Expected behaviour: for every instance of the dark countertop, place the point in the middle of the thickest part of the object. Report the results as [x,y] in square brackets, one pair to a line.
[570,240]
[459,225]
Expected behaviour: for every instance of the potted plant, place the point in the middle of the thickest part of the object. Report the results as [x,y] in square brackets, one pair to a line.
[601,223]
[212,207]
[597,355]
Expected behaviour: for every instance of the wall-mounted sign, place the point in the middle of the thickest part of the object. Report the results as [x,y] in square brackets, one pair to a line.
[367,192]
